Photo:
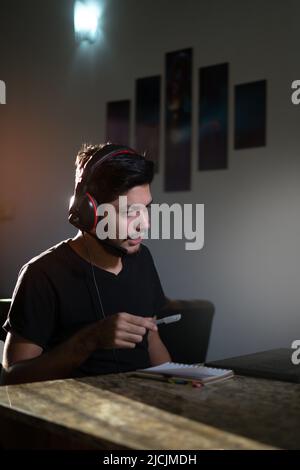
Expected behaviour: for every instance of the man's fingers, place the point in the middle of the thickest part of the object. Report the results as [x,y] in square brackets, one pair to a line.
[131,328]
[121,344]
[151,325]
[132,338]
[146,322]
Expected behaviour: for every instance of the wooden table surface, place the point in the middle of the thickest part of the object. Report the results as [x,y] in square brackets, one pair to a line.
[126,412]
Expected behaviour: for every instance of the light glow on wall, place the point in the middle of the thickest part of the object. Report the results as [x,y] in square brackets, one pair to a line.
[87,16]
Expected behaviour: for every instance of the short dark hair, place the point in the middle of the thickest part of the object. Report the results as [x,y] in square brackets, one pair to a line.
[116,175]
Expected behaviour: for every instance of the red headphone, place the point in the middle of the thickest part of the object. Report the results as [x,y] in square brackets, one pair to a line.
[83,206]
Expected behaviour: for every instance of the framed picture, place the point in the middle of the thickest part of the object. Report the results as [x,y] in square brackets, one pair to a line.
[147,117]
[178,109]
[213,117]
[250,115]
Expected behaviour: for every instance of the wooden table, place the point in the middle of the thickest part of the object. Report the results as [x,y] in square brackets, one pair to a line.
[124,412]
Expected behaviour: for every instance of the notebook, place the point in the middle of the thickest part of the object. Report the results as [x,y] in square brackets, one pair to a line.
[197,372]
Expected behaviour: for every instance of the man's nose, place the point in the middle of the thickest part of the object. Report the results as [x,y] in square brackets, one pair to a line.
[146,221]
[144,224]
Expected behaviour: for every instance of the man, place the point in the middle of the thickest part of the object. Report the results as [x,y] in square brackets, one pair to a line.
[88,306]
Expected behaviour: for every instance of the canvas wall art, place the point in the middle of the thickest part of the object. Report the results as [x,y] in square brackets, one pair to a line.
[147,117]
[250,114]
[213,117]
[178,110]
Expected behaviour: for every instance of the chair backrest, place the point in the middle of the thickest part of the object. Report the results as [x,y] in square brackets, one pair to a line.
[4,308]
[187,339]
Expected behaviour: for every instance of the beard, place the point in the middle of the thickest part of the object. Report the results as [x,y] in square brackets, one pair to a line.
[115,247]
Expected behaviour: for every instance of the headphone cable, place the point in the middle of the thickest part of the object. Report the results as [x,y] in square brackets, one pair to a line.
[99,297]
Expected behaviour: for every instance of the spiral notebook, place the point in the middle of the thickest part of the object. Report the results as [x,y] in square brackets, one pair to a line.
[197,372]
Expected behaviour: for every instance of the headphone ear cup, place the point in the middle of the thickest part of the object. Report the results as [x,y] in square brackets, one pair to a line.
[83,212]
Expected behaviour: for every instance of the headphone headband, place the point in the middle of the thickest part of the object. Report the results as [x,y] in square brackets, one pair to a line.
[100,156]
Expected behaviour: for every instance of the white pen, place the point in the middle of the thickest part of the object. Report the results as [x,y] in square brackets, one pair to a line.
[170,319]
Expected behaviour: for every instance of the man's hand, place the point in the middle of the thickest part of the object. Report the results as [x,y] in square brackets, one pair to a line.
[24,362]
[122,330]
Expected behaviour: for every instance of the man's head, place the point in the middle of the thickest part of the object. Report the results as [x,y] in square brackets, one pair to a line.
[125,173]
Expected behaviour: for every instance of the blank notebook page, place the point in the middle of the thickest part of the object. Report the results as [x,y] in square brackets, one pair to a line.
[198,371]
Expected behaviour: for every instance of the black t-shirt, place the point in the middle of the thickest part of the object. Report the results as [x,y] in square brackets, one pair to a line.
[55,296]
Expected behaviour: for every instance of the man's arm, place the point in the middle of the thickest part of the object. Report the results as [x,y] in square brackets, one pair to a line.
[25,361]
[157,350]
